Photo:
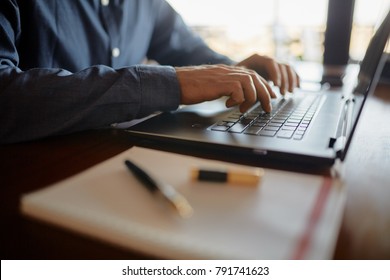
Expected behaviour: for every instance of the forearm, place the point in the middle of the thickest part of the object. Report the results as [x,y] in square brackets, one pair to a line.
[43,102]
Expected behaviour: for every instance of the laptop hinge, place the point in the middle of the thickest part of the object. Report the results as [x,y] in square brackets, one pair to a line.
[338,144]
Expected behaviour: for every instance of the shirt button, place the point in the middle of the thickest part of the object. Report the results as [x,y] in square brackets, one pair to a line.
[105,2]
[116,52]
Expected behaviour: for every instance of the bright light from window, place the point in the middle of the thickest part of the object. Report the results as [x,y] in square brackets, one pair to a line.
[285,29]
[225,13]
[370,12]
[239,28]
[368,15]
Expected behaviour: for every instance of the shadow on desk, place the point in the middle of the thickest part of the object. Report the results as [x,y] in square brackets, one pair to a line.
[49,242]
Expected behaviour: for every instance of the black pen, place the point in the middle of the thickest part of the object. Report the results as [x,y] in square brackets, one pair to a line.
[178,201]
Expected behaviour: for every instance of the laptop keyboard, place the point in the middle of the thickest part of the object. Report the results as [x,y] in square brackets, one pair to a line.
[289,119]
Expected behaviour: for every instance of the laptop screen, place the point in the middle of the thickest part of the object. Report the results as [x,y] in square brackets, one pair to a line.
[370,69]
[372,58]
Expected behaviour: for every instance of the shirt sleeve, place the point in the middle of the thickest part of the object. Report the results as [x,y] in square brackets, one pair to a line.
[174,43]
[40,102]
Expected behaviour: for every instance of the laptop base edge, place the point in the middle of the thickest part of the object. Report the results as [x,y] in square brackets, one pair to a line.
[239,155]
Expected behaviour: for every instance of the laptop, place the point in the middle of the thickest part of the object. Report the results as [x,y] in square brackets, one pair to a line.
[308,127]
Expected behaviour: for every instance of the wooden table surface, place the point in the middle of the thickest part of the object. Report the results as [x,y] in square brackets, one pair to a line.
[364,234]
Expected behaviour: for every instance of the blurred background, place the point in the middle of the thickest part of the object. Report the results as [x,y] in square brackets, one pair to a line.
[290,30]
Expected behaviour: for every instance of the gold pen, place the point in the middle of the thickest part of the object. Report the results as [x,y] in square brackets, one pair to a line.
[178,201]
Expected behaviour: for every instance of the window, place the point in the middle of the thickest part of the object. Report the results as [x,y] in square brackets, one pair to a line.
[368,14]
[286,29]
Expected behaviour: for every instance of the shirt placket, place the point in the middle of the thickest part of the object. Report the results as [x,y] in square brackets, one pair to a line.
[111,28]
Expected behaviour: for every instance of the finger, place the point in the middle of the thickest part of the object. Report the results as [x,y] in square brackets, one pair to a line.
[273,71]
[234,90]
[254,83]
[291,78]
[263,90]
[248,89]
[298,79]
[269,88]
[262,80]
[255,77]
[265,66]
[284,79]
[270,71]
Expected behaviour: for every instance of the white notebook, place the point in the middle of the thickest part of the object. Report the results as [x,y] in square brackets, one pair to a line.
[287,216]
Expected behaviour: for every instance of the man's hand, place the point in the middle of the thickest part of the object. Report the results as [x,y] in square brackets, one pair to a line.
[244,84]
[282,75]
[208,82]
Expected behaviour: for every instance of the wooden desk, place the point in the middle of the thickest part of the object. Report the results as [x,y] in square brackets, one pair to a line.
[365,231]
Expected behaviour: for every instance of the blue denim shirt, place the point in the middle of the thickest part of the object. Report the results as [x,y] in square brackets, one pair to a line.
[72,65]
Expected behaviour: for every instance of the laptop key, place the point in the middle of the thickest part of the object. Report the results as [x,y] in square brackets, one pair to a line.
[222,126]
[237,128]
[285,134]
[259,123]
[245,121]
[254,130]
[298,137]
[291,128]
[274,124]
[270,133]
[273,128]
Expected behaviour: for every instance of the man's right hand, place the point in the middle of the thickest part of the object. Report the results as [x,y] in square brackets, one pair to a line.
[243,87]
